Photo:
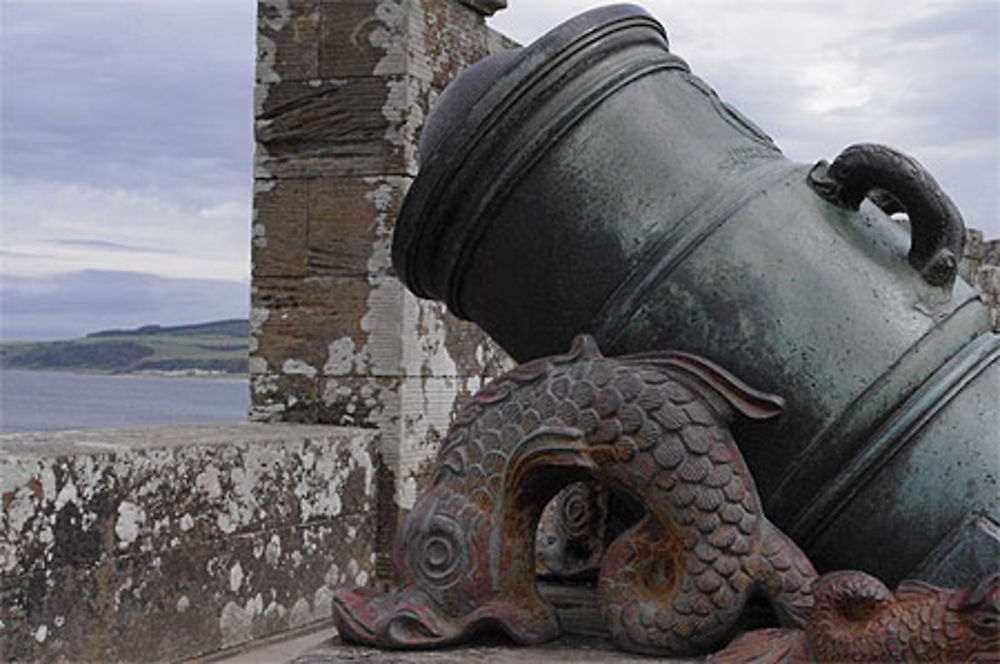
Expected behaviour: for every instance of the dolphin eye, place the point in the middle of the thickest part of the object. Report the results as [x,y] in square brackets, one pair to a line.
[439,553]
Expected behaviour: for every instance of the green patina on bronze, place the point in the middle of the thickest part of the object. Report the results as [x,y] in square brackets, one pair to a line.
[591,183]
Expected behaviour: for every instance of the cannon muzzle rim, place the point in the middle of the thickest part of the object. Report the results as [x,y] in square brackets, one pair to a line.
[482,113]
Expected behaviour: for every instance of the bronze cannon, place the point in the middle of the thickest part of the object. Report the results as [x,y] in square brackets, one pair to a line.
[590,183]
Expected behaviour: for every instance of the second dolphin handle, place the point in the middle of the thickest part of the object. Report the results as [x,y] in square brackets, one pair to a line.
[937,227]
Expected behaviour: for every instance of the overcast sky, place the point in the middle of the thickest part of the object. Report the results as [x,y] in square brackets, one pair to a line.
[127,130]
[126,176]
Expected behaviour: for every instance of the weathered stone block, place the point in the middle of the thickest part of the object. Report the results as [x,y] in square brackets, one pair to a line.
[367,402]
[358,400]
[345,238]
[330,128]
[445,38]
[304,316]
[991,252]
[280,228]
[287,40]
[363,37]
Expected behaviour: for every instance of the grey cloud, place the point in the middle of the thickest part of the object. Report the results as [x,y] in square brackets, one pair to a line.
[21,254]
[973,21]
[105,93]
[71,305]
[104,244]
[959,98]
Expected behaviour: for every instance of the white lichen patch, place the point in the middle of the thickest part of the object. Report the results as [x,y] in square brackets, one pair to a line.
[226,523]
[121,590]
[381,320]
[427,394]
[340,357]
[266,413]
[258,365]
[161,525]
[333,576]
[273,16]
[406,492]
[19,512]
[293,367]
[332,471]
[208,482]
[235,625]
[272,553]
[236,577]
[389,36]
[258,235]
[261,92]
[275,611]
[261,382]
[131,517]
[301,613]
[255,605]
[323,603]
[47,477]
[258,316]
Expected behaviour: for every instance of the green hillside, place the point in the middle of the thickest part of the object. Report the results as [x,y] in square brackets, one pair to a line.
[217,346]
[232,327]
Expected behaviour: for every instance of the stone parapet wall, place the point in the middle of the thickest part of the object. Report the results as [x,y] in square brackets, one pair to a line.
[167,543]
[343,87]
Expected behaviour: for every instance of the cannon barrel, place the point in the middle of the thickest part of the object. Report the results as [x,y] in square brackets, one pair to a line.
[591,183]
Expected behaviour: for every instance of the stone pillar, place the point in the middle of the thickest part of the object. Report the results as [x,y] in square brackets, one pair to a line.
[342,90]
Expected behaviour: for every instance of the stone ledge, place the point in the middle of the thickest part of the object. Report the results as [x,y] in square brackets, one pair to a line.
[494,651]
[120,439]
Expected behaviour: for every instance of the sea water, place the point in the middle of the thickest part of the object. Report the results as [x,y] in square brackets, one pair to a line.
[37,400]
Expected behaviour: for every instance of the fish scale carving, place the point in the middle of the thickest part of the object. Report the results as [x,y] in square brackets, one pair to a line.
[653,426]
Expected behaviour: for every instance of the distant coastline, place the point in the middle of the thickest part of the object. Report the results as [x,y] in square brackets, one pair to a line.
[215,349]
[188,373]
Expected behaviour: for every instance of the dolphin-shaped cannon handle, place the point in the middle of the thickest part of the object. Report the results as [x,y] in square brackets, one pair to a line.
[938,230]
[653,426]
